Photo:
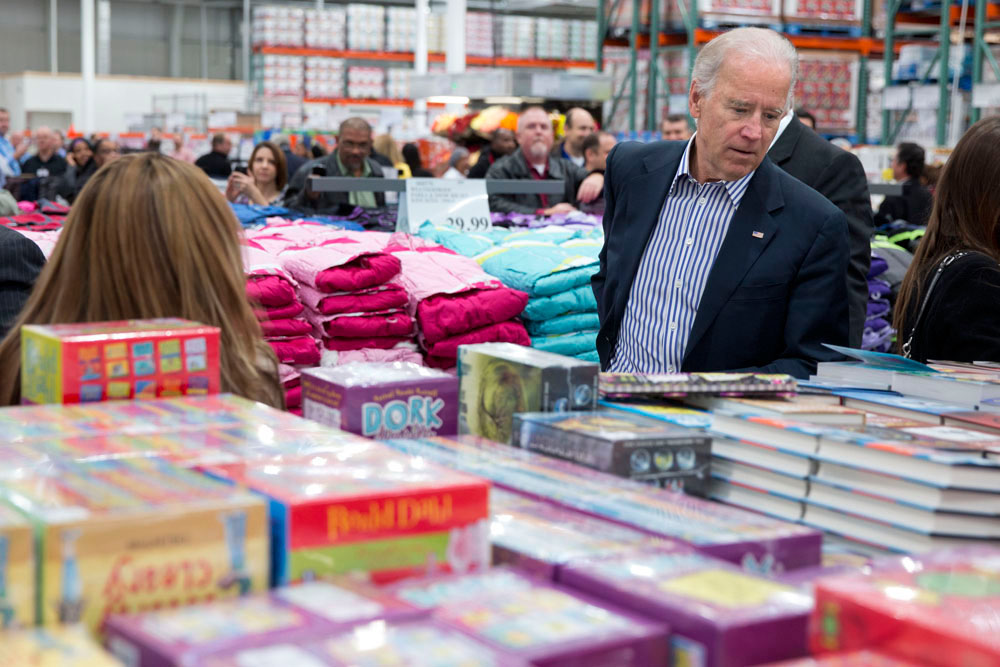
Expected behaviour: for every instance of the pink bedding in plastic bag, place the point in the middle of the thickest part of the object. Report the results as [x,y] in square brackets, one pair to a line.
[393,324]
[280,312]
[301,351]
[286,328]
[382,297]
[380,343]
[445,315]
[504,332]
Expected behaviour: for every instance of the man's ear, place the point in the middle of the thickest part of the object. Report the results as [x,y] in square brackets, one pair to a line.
[695,100]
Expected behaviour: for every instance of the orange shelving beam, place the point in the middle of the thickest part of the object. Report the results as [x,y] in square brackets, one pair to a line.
[402,56]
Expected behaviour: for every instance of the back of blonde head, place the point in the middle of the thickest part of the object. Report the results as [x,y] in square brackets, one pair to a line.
[150,236]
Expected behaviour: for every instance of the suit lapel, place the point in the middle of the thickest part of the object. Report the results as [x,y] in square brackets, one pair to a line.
[647,194]
[783,148]
[750,232]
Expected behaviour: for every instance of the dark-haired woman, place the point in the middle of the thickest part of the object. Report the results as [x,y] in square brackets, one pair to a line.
[81,169]
[949,303]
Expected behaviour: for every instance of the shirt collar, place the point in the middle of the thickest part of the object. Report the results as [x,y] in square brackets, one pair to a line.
[735,189]
[366,170]
[786,120]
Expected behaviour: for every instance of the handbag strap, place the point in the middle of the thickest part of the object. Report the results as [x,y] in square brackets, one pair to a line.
[947,261]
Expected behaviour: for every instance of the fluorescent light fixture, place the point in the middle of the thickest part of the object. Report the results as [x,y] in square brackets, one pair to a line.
[448,99]
[502,99]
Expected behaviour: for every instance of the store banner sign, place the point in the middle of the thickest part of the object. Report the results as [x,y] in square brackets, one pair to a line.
[461,204]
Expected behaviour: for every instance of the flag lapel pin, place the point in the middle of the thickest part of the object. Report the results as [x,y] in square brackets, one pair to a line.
[758,235]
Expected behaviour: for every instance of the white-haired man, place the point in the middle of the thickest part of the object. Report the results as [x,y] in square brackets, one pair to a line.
[714,258]
[533,160]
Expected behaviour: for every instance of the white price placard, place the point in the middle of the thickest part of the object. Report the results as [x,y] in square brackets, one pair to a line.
[461,204]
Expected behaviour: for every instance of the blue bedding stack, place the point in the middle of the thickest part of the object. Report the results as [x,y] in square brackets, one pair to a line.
[553,265]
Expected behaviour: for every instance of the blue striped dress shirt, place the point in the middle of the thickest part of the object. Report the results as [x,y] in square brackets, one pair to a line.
[673,271]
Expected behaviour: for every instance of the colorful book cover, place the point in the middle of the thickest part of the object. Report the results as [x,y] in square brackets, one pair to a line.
[748,539]
[122,536]
[422,642]
[17,571]
[863,658]
[672,414]
[910,403]
[62,647]
[498,380]
[541,538]
[98,361]
[621,443]
[675,385]
[313,610]
[398,400]
[939,608]
[210,447]
[719,615]
[367,509]
[175,415]
[539,622]
[883,360]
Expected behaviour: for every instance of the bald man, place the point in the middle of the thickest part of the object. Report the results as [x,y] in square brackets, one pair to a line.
[534,159]
[46,162]
[579,125]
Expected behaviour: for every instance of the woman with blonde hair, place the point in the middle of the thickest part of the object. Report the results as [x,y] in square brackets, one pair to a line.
[387,146]
[151,237]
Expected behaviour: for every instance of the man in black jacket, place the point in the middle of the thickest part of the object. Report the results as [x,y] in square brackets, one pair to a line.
[532,161]
[20,263]
[914,205]
[351,158]
[216,163]
[838,176]
[501,145]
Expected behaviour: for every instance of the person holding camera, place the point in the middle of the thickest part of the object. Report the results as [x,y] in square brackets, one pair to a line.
[350,159]
[264,181]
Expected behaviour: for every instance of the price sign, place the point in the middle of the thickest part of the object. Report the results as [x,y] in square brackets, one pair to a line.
[461,204]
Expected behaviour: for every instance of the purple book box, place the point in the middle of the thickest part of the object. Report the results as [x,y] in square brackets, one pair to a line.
[544,625]
[423,643]
[541,538]
[720,616]
[178,637]
[387,400]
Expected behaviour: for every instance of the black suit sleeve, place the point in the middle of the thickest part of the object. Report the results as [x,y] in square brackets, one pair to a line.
[597,280]
[21,261]
[817,305]
[845,184]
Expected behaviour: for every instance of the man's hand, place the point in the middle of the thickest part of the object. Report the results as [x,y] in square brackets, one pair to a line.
[310,193]
[21,144]
[591,188]
[559,208]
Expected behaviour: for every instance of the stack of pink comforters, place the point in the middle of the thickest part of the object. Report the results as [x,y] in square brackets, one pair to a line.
[454,301]
[344,282]
[281,315]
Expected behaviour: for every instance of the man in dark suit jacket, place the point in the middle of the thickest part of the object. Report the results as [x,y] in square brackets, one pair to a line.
[838,176]
[20,263]
[715,259]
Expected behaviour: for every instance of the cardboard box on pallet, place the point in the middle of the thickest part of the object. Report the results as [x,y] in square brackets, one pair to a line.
[121,536]
[313,610]
[96,361]
[498,380]
[367,509]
